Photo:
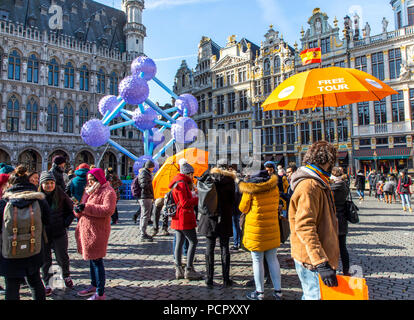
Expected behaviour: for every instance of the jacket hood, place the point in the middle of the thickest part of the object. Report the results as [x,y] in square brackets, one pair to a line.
[179,177]
[82,172]
[25,195]
[222,176]
[260,187]
[301,174]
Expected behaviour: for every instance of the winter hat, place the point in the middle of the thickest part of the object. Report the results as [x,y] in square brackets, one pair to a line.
[59,160]
[99,174]
[46,176]
[4,177]
[185,167]
[5,168]
[149,164]
[83,166]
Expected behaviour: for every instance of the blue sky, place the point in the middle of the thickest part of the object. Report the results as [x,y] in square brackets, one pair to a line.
[175,27]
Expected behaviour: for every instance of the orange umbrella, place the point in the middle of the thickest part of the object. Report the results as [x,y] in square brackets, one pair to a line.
[326,87]
[196,157]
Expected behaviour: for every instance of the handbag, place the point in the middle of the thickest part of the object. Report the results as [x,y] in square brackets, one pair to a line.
[284,228]
[351,210]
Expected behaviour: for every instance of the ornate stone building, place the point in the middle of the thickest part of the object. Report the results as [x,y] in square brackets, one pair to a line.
[58,59]
[367,135]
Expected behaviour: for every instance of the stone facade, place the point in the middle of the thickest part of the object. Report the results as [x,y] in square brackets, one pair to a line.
[367,135]
[52,80]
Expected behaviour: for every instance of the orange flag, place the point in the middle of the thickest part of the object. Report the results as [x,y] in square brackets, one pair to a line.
[311,56]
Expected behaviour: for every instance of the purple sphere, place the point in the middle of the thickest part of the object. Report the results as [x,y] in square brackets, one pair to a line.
[141,162]
[108,103]
[184,130]
[134,90]
[157,138]
[94,133]
[146,65]
[145,121]
[189,102]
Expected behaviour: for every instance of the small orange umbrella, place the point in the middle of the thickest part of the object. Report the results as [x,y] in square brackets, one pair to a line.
[326,87]
[196,157]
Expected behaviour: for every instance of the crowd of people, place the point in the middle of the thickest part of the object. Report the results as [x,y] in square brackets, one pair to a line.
[250,206]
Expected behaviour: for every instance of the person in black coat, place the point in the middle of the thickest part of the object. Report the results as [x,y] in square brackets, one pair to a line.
[360,184]
[58,168]
[219,227]
[21,194]
[340,192]
[146,199]
[60,219]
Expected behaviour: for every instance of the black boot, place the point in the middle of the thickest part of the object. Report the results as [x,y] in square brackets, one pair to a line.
[209,270]
[225,266]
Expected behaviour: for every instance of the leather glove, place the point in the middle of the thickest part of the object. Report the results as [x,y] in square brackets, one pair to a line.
[79,208]
[327,274]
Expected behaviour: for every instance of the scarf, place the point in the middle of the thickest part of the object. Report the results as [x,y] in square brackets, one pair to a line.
[93,188]
[321,173]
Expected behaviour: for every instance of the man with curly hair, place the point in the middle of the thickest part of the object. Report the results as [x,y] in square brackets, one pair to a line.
[313,222]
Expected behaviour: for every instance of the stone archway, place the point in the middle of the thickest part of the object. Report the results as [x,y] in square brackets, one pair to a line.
[31,159]
[4,157]
[84,157]
[109,160]
[57,153]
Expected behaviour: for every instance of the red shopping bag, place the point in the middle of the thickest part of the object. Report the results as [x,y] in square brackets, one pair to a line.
[349,288]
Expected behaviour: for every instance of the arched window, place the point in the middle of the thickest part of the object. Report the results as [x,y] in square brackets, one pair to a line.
[113,84]
[83,115]
[33,69]
[32,110]
[13,114]
[100,88]
[53,76]
[69,75]
[183,80]
[277,65]
[52,117]
[14,65]
[266,67]
[84,79]
[68,118]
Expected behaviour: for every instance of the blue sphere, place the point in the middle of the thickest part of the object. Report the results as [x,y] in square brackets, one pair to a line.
[189,102]
[94,133]
[145,65]
[145,121]
[134,90]
[108,103]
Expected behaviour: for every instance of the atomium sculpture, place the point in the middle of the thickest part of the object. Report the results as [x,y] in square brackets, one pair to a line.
[134,90]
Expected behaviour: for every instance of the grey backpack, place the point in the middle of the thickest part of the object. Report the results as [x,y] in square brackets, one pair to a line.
[22,231]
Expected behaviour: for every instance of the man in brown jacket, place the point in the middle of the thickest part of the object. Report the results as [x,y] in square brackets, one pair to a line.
[313,222]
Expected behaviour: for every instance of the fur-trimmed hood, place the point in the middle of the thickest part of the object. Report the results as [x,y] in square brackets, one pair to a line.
[223,172]
[24,195]
[262,187]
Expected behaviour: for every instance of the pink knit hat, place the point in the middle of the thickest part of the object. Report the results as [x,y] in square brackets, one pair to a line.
[99,174]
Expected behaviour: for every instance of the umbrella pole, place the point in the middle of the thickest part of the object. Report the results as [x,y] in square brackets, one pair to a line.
[323,119]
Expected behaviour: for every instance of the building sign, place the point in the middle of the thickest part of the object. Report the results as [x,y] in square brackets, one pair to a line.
[56,20]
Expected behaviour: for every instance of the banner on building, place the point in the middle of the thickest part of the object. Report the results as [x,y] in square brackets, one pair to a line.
[310,56]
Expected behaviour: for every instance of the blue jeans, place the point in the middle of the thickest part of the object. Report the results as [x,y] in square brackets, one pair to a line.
[185,246]
[406,200]
[236,230]
[258,269]
[310,282]
[98,275]
[360,193]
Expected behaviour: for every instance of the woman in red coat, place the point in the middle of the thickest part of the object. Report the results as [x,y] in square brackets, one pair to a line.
[184,221]
[93,229]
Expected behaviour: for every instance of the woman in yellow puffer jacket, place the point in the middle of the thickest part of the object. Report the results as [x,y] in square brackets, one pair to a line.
[261,236]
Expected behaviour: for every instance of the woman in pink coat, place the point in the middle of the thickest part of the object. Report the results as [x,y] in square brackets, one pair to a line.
[93,229]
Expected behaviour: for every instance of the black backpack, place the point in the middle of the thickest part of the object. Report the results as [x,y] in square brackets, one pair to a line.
[136,188]
[170,207]
[207,196]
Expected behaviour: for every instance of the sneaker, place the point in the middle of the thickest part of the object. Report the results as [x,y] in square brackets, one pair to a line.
[90,291]
[146,238]
[191,274]
[164,233]
[255,295]
[98,297]
[68,282]
[48,291]
[277,294]
[179,272]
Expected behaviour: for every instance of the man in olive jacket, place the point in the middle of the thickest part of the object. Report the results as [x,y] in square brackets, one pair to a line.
[146,199]
[313,222]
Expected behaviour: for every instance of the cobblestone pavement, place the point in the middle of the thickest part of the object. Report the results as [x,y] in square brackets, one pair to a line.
[381,246]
